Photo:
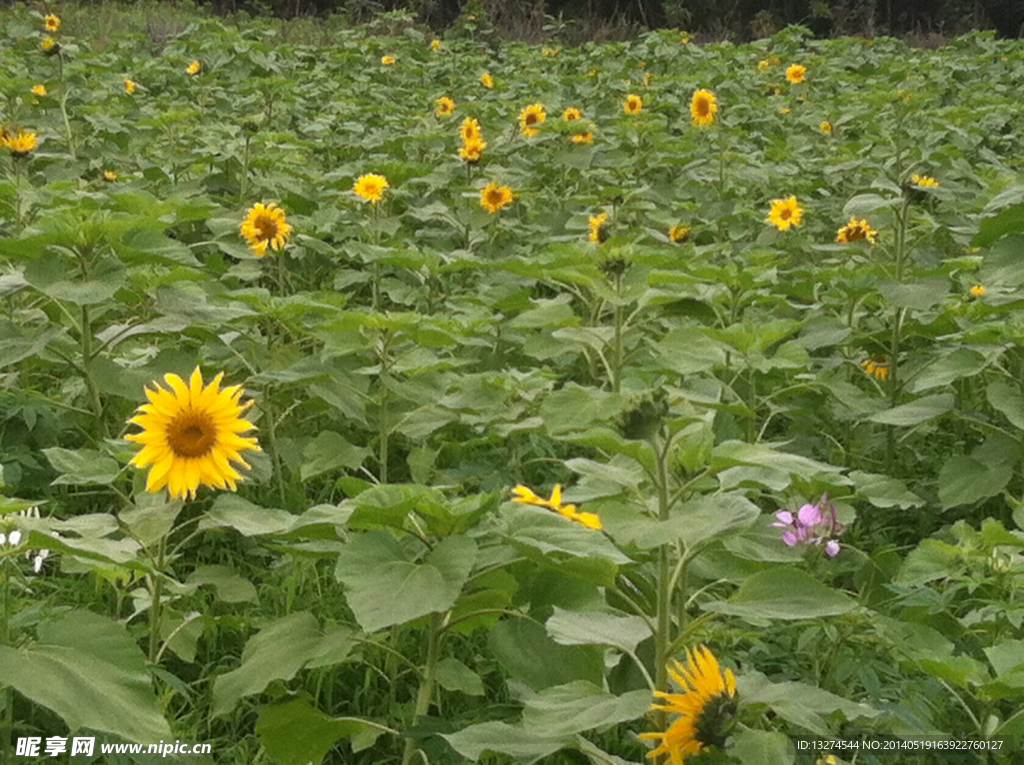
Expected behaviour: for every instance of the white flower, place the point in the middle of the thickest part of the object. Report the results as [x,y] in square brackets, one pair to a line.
[14,538]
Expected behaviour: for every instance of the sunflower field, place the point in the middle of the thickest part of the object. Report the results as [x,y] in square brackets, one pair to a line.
[427,400]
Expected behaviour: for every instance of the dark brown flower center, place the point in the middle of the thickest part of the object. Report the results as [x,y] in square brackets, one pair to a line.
[703,107]
[192,434]
[786,213]
[267,227]
[531,118]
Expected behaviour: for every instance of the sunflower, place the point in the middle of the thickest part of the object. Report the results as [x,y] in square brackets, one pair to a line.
[572,113]
[52,23]
[633,104]
[977,291]
[855,230]
[194,68]
[763,64]
[473,151]
[703,108]
[706,707]
[924,181]
[531,116]
[876,367]
[129,86]
[527,497]
[190,435]
[826,127]
[493,197]
[371,187]
[597,223]
[678,233]
[785,213]
[387,60]
[445,106]
[796,73]
[435,44]
[587,136]
[469,130]
[109,176]
[49,46]
[265,225]
[486,80]
[22,143]
[39,90]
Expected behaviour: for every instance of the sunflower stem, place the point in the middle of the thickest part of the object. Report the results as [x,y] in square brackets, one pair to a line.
[156,592]
[663,636]
[17,194]
[5,639]
[617,376]
[425,693]
[63,105]
[90,381]
[245,171]
[383,433]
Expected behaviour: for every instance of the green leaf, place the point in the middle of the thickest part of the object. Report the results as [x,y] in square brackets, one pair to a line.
[1007,399]
[453,675]
[766,455]
[549,532]
[916,412]
[80,467]
[230,587]
[502,738]
[685,350]
[883,491]
[762,747]
[294,733]
[384,586]
[89,671]
[965,480]
[247,519]
[1009,221]
[597,628]
[526,652]
[784,593]
[330,451]
[578,706]
[147,244]
[954,366]
[49,273]
[798,703]
[1006,657]
[278,652]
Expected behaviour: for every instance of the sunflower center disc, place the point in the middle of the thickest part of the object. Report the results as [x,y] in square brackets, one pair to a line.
[191,434]
[786,214]
[267,227]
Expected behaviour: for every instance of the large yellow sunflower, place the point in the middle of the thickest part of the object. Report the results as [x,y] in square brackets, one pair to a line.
[796,73]
[633,104]
[527,497]
[371,187]
[473,151]
[445,106]
[703,108]
[52,23]
[22,143]
[785,213]
[855,230]
[572,113]
[190,435]
[493,197]
[265,225]
[469,130]
[587,136]
[706,707]
[530,117]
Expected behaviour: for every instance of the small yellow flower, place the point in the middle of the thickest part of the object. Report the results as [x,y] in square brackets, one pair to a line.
[526,496]
[684,38]
[387,60]
[924,181]
[572,113]
[486,80]
[549,52]
[530,117]
[703,108]
[856,230]
[876,367]
[39,90]
[129,86]
[265,226]
[598,230]
[784,110]
[109,176]
[21,144]
[978,290]
[826,127]
[827,759]
[472,151]
[647,79]
[493,197]
[587,136]
[49,46]
[796,73]
[679,233]
[633,104]
[763,64]
[469,130]
[445,106]
[52,23]
[370,187]
[194,68]
[435,44]
[785,213]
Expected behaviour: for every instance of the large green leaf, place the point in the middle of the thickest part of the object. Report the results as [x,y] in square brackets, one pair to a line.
[49,273]
[502,738]
[385,585]
[784,593]
[527,653]
[82,466]
[89,671]
[294,733]
[597,628]
[1007,399]
[549,532]
[578,706]
[798,703]
[916,412]
[965,480]
[992,228]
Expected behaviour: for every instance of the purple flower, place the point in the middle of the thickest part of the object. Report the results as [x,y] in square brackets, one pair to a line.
[832,548]
[812,525]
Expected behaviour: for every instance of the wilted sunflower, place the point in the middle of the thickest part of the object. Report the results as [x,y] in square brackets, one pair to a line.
[371,187]
[527,497]
[703,108]
[194,68]
[796,73]
[706,707]
[785,213]
[387,60]
[826,127]
[531,116]
[876,367]
[469,130]
[678,233]
[571,114]
[924,181]
[52,23]
[265,226]
[493,197]
[129,86]
[587,136]
[190,435]
[633,104]
[473,151]
[50,46]
[597,223]
[977,291]
[445,106]
[856,230]
[39,90]
[22,143]
[486,80]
